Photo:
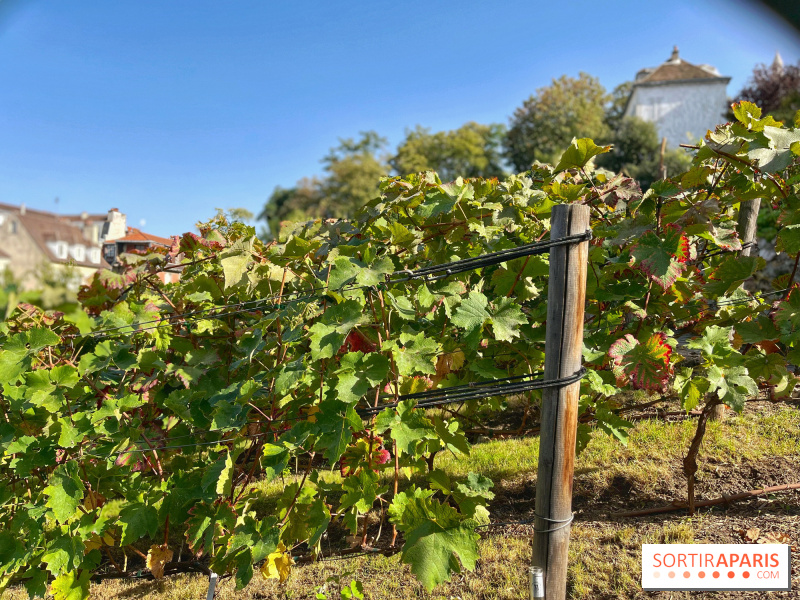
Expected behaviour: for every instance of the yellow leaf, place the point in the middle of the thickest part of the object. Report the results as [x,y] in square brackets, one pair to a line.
[278,564]
[157,557]
[96,542]
[93,500]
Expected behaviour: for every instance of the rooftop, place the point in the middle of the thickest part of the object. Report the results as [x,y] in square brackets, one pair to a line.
[137,235]
[677,69]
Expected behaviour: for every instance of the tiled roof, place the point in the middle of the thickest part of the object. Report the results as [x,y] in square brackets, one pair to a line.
[676,69]
[136,235]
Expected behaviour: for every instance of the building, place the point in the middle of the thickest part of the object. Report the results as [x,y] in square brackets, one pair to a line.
[33,239]
[682,99]
[119,238]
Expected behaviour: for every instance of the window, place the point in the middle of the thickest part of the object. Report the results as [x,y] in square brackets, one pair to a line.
[94,255]
[13,227]
[61,249]
[78,252]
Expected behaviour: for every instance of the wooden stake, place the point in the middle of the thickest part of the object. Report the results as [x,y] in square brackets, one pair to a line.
[563,346]
[746,228]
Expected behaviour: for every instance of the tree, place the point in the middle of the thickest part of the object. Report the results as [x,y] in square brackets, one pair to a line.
[289,204]
[352,172]
[776,89]
[617,104]
[472,150]
[636,152]
[547,121]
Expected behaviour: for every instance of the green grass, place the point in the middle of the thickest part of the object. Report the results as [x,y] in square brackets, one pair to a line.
[604,556]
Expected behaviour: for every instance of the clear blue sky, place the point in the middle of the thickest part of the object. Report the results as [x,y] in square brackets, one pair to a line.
[168,109]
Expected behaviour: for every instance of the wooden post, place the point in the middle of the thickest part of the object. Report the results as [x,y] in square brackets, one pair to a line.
[563,347]
[746,228]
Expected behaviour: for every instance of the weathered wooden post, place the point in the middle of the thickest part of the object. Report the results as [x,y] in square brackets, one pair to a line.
[563,348]
[746,227]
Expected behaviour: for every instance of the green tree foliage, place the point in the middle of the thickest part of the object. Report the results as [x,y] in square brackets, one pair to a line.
[352,171]
[546,122]
[472,150]
[149,426]
[636,152]
[617,104]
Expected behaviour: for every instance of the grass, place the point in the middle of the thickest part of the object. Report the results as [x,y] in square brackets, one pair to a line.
[604,555]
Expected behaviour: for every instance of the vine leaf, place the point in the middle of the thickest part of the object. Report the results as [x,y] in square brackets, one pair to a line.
[408,426]
[65,491]
[579,153]
[357,374]
[336,422]
[278,564]
[71,586]
[505,316]
[662,258]
[731,273]
[646,365]
[137,520]
[157,557]
[416,355]
[436,538]
[733,385]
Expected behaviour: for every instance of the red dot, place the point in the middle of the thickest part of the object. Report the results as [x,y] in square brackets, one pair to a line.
[686,574]
[701,574]
[715,574]
[746,574]
[731,574]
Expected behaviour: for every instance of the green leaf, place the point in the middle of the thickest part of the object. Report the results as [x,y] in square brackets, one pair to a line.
[690,389]
[360,491]
[733,385]
[417,354]
[506,319]
[137,520]
[274,460]
[731,273]
[336,422]
[788,239]
[435,539]
[71,586]
[408,426]
[234,262]
[357,373]
[65,491]
[661,258]
[63,554]
[579,153]
[219,476]
[472,313]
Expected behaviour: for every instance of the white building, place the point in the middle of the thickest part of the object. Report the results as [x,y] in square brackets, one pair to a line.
[683,100]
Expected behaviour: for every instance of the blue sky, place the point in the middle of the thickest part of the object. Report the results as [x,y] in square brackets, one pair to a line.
[167,110]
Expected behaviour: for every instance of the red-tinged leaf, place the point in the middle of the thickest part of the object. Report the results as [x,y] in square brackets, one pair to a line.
[645,365]
[662,257]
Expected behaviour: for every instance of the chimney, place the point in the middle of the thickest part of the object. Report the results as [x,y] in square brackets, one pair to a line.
[22,209]
[675,56]
[115,227]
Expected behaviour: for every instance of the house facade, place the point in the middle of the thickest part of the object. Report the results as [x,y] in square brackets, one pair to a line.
[683,100]
[77,244]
